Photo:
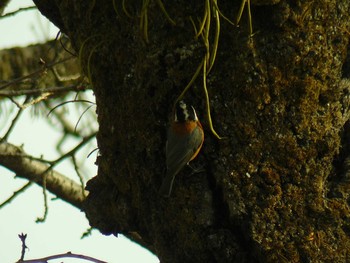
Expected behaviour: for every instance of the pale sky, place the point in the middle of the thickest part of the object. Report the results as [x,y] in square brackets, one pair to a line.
[65,224]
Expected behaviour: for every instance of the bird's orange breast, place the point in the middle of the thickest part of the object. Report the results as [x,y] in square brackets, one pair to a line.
[184,128]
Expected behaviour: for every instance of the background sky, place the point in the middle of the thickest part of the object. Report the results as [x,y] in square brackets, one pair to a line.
[65,224]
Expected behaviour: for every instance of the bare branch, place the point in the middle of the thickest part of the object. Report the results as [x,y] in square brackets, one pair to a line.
[13,93]
[16,160]
[14,121]
[80,117]
[36,72]
[45,173]
[46,259]
[15,194]
[65,255]
[75,149]
[18,11]
[23,237]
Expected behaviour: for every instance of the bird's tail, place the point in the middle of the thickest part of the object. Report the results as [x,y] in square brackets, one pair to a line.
[167,185]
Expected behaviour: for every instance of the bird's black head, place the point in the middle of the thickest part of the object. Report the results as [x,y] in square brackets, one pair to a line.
[184,112]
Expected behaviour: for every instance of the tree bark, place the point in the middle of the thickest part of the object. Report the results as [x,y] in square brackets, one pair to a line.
[275,188]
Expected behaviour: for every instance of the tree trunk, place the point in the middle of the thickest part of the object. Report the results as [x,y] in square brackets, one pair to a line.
[275,187]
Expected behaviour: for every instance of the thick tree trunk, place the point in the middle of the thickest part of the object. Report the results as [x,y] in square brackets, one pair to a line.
[274,189]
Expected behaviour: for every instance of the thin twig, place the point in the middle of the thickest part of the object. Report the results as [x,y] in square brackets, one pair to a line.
[53,164]
[18,11]
[60,36]
[46,206]
[76,168]
[67,127]
[13,93]
[66,102]
[23,237]
[37,72]
[65,255]
[16,160]
[90,153]
[81,116]
[42,97]
[74,150]
[15,194]
[14,121]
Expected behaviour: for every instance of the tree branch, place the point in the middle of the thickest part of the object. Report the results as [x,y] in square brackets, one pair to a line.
[16,193]
[21,92]
[38,67]
[18,11]
[64,255]
[16,160]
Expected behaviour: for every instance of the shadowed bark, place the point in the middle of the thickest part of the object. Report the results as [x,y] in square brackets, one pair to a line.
[275,189]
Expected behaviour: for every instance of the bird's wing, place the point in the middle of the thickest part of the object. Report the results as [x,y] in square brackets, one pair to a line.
[180,150]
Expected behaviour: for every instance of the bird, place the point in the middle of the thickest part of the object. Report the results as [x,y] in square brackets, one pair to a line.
[185,138]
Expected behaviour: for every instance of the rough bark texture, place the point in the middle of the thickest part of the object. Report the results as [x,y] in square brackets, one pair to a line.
[275,189]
